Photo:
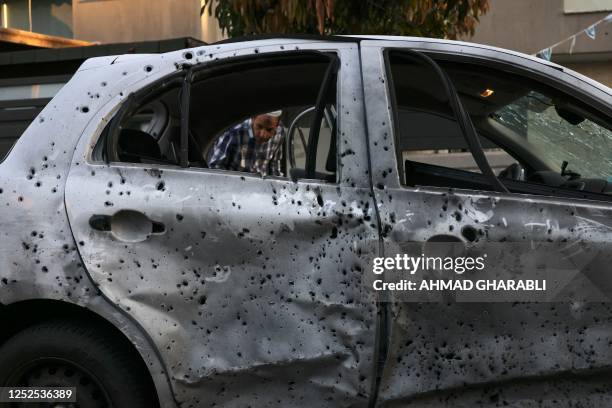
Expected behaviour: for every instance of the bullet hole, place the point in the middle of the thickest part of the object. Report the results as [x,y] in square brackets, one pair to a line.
[392,218]
[188,55]
[160,186]
[45,269]
[334,233]
[202,234]
[38,184]
[148,68]
[320,200]
[84,109]
[103,84]
[202,300]
[457,215]
[108,204]
[469,233]
[179,217]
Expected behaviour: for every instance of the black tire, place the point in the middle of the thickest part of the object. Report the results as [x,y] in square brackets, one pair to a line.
[77,354]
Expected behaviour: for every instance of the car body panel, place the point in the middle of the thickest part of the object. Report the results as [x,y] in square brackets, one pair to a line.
[438,350]
[39,258]
[247,285]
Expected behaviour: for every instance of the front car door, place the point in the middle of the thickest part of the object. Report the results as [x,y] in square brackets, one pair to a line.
[493,349]
[249,287]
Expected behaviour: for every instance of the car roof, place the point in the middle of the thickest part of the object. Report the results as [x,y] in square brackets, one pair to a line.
[419,42]
[361,37]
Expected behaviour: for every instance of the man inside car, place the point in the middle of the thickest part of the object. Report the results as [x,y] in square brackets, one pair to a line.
[254,146]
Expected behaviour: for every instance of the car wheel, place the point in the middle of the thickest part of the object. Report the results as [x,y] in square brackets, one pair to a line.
[69,354]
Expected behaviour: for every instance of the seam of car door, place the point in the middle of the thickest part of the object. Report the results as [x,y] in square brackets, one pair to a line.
[382,327]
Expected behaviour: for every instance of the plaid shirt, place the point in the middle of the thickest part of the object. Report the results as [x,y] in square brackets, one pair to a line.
[236,149]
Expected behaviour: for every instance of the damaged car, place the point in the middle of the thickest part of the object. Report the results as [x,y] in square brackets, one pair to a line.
[135,273]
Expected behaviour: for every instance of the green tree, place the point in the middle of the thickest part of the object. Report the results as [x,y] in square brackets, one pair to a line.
[426,18]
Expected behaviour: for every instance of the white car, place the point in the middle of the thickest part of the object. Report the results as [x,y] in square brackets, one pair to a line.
[141,277]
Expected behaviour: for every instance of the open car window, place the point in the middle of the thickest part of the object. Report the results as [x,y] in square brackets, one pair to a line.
[537,139]
[224,99]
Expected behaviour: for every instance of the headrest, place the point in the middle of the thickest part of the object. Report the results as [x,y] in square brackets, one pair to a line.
[136,146]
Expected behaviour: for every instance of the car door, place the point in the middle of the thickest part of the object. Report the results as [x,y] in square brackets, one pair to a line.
[249,287]
[471,348]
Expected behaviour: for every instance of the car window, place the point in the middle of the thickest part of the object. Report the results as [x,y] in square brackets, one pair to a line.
[435,138]
[239,114]
[297,144]
[585,145]
[536,138]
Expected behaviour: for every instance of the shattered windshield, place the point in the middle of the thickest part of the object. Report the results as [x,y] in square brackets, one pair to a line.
[585,145]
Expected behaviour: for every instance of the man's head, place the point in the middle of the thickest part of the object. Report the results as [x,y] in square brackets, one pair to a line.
[264,126]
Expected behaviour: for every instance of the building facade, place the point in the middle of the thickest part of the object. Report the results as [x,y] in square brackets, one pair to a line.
[106,21]
[532,25]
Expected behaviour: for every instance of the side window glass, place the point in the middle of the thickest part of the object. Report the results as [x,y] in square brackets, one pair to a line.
[560,134]
[297,144]
[536,139]
[437,140]
[239,115]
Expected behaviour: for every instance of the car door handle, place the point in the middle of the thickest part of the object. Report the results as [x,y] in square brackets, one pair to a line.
[127,225]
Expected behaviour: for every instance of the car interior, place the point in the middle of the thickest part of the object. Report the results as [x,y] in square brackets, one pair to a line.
[222,96]
[551,141]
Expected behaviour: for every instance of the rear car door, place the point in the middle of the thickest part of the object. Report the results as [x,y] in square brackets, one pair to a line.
[472,348]
[249,287]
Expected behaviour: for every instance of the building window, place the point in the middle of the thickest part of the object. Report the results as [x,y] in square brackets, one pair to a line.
[52,17]
[586,6]
[33,91]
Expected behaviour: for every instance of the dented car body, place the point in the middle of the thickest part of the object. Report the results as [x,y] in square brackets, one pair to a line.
[241,290]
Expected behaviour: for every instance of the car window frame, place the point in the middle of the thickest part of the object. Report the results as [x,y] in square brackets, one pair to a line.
[136,100]
[584,97]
